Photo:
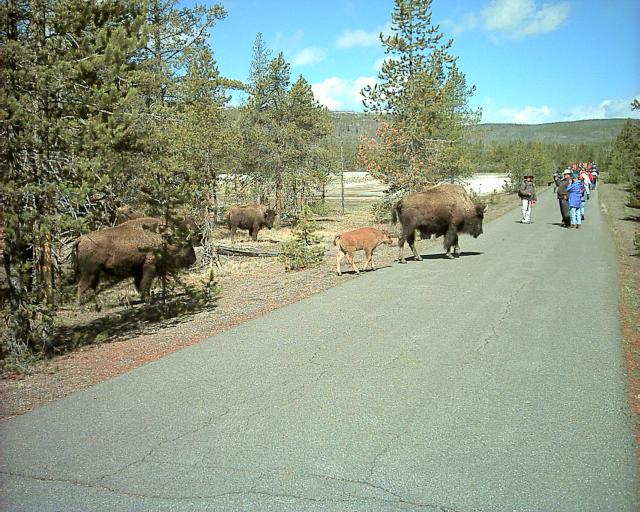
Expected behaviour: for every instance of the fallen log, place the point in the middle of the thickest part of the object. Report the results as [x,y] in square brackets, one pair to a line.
[225,250]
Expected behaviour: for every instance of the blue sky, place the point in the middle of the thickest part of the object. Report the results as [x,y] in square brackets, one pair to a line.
[532,61]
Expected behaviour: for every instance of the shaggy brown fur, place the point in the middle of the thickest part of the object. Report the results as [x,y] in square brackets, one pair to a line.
[251,217]
[362,239]
[441,210]
[126,212]
[127,251]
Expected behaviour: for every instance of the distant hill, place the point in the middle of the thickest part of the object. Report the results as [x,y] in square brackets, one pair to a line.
[351,125]
[592,131]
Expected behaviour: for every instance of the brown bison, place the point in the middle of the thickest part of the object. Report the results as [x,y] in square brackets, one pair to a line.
[128,250]
[126,212]
[366,239]
[252,217]
[441,210]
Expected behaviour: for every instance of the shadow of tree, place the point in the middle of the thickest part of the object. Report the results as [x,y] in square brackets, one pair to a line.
[127,323]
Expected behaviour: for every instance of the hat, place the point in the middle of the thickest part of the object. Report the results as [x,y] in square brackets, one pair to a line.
[528,175]
[566,171]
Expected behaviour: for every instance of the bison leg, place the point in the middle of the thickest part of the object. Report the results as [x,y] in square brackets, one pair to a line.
[350,260]
[339,256]
[87,281]
[148,274]
[368,260]
[233,233]
[401,241]
[411,240]
[254,233]
[450,239]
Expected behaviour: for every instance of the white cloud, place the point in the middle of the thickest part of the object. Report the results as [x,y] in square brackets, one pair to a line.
[341,93]
[525,115]
[308,56]
[359,37]
[521,18]
[606,109]
[547,19]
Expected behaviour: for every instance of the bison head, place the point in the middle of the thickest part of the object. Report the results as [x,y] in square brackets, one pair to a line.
[473,223]
[386,238]
[269,218]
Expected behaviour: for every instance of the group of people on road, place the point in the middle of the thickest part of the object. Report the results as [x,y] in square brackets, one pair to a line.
[573,187]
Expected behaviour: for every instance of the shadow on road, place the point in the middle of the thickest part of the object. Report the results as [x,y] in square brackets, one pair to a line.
[442,256]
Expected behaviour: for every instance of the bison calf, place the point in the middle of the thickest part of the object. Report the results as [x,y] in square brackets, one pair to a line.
[366,239]
[127,251]
[251,217]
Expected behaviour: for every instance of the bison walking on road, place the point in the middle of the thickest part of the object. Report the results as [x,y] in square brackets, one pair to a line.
[252,217]
[444,210]
[366,239]
[132,249]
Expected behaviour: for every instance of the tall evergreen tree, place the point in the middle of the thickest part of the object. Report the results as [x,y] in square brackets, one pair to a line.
[422,102]
[66,110]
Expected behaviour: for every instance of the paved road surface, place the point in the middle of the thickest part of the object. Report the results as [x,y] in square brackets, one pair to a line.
[490,383]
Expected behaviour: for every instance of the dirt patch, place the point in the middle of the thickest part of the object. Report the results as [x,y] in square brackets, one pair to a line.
[130,334]
[624,223]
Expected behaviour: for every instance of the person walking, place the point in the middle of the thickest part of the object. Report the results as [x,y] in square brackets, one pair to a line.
[561,192]
[527,193]
[586,190]
[574,192]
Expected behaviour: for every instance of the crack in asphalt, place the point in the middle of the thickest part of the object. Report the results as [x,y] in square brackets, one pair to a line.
[503,316]
[398,499]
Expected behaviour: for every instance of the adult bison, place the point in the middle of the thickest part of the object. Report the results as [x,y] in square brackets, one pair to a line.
[132,249]
[126,212]
[441,210]
[251,217]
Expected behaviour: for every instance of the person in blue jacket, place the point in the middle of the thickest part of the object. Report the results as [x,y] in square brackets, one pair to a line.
[574,191]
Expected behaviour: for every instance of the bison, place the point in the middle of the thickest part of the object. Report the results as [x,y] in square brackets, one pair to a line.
[252,217]
[366,239]
[128,250]
[125,213]
[441,210]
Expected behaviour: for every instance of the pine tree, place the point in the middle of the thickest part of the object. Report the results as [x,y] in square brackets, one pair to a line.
[67,70]
[422,102]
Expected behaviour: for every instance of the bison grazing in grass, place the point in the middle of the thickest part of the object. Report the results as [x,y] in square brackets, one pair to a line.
[132,249]
[252,217]
[441,210]
[366,239]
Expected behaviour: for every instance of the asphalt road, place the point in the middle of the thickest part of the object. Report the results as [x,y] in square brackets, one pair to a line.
[489,383]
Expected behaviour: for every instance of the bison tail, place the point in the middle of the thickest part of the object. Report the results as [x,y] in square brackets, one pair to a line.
[395,212]
[335,240]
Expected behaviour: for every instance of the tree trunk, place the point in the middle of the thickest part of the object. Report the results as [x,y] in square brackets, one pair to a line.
[279,194]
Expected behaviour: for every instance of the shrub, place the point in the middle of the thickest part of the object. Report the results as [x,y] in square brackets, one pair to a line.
[304,249]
